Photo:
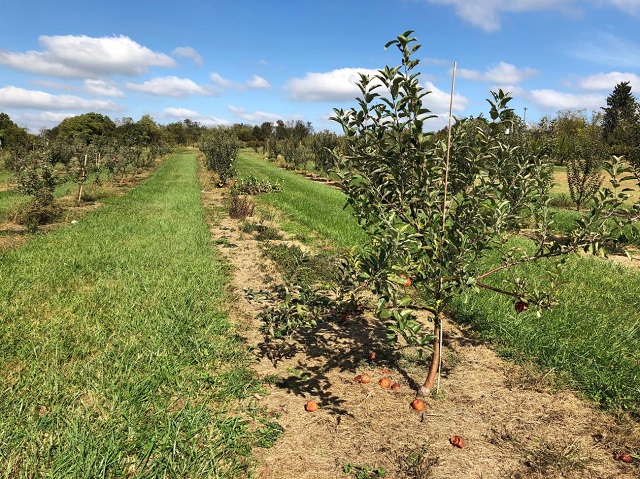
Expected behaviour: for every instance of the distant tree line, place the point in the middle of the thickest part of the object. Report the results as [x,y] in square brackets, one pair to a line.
[85,147]
[571,139]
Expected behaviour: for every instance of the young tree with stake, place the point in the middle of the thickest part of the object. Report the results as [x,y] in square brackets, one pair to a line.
[432,208]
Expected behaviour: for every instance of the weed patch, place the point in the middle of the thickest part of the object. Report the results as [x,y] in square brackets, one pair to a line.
[263,232]
[252,186]
[300,267]
[36,213]
[555,460]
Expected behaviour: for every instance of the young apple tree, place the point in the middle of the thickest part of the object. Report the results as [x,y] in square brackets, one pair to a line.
[432,210]
[220,146]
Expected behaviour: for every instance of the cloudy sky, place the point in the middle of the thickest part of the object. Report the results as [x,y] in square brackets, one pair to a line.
[250,61]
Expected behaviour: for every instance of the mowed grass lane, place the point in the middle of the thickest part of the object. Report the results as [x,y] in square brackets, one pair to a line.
[116,358]
[591,339]
[310,205]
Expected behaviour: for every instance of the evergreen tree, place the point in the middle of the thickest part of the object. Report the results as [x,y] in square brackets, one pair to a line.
[621,124]
[622,108]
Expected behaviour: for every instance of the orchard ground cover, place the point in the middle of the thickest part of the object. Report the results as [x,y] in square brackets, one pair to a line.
[590,338]
[5,179]
[311,205]
[565,211]
[117,358]
[514,420]
[561,186]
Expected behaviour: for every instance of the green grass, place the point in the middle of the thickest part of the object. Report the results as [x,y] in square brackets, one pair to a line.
[10,202]
[312,207]
[592,338]
[565,212]
[5,177]
[116,357]
[564,223]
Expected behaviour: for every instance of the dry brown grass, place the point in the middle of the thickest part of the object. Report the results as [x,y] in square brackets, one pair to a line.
[561,186]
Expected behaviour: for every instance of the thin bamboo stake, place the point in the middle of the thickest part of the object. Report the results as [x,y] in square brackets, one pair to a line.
[444,212]
[83,177]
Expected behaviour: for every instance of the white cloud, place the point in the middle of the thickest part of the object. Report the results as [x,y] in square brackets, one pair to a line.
[189,52]
[52,85]
[14,97]
[41,64]
[607,81]
[515,90]
[255,82]
[86,57]
[49,116]
[438,103]
[486,13]
[340,85]
[104,88]
[628,6]
[38,121]
[336,85]
[258,82]
[218,80]
[254,117]
[503,74]
[171,86]
[555,100]
[438,100]
[184,113]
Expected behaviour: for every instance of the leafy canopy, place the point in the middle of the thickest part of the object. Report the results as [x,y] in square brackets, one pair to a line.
[430,215]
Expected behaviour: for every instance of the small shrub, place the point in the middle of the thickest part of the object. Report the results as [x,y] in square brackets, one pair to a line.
[97,192]
[241,207]
[37,178]
[363,472]
[292,312]
[248,227]
[419,463]
[36,213]
[295,154]
[268,234]
[299,267]
[322,145]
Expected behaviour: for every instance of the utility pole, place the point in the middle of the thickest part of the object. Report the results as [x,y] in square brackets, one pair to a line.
[525,116]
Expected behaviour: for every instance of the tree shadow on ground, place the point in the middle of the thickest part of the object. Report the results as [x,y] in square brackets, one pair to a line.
[333,345]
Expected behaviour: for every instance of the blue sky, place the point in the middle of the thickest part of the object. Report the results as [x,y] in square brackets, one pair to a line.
[250,61]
